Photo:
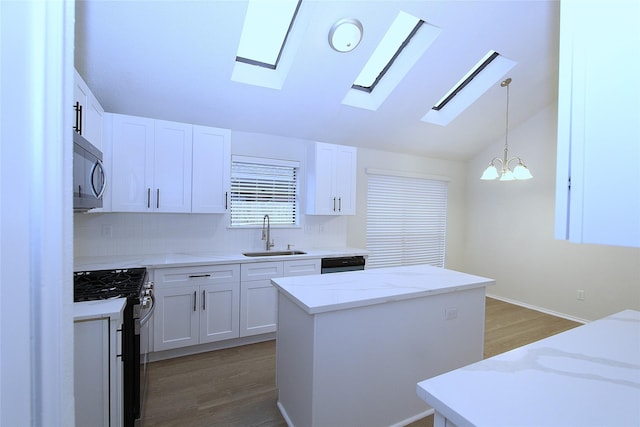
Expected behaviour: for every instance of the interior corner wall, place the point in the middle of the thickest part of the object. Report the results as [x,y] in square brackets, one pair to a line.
[510,236]
[455,171]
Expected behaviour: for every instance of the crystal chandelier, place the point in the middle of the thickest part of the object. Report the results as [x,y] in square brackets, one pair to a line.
[520,171]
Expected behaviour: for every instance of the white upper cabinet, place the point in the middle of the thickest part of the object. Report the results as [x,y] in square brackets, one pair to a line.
[598,177]
[88,112]
[211,169]
[151,165]
[172,167]
[331,179]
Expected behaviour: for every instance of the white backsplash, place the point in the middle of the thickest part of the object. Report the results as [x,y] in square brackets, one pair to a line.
[109,234]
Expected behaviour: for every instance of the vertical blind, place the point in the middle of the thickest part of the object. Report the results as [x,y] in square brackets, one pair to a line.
[259,188]
[406,220]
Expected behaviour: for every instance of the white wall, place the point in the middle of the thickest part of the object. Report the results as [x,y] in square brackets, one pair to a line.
[510,228]
[99,234]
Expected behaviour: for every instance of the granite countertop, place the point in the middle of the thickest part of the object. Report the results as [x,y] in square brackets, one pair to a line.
[201,258]
[587,376]
[339,291]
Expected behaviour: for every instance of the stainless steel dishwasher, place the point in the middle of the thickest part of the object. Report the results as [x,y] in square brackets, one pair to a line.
[339,264]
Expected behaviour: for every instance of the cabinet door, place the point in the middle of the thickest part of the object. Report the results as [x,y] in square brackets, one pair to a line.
[331,179]
[91,372]
[93,115]
[325,179]
[219,316]
[131,169]
[302,267]
[80,94]
[176,319]
[171,190]
[211,169]
[345,181]
[89,120]
[258,307]
[598,180]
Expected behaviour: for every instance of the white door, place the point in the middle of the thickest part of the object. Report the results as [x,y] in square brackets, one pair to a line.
[219,318]
[211,169]
[258,307]
[131,167]
[176,317]
[171,191]
[345,180]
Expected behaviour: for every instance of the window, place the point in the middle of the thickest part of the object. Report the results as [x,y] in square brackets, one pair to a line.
[490,69]
[262,187]
[266,27]
[394,41]
[406,220]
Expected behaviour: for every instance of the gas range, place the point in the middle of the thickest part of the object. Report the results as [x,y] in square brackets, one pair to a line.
[132,285]
[107,284]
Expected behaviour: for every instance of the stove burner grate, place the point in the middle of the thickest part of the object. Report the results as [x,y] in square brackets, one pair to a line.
[107,284]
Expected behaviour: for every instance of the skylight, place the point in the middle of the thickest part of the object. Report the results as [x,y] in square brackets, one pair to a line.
[490,69]
[466,79]
[266,27]
[404,43]
[397,37]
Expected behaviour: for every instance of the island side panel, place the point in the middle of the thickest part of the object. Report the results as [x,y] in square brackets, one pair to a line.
[368,360]
[294,362]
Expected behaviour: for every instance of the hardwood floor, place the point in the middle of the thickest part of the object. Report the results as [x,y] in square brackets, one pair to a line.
[236,387]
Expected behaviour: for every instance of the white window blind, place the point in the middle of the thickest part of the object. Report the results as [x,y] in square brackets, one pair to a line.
[406,220]
[262,187]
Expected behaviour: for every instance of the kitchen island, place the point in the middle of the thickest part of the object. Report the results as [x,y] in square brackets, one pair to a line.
[351,346]
[587,376]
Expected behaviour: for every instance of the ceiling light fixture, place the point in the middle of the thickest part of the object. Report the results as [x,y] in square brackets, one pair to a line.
[520,171]
[345,35]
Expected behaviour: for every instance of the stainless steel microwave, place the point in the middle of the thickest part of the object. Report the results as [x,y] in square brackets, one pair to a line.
[89,180]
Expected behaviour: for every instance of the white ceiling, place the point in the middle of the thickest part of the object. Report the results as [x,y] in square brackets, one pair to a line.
[173,60]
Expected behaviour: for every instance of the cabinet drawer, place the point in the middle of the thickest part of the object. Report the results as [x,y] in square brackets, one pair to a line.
[261,270]
[202,275]
[301,267]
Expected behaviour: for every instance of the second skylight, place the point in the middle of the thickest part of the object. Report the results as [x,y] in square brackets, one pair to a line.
[396,38]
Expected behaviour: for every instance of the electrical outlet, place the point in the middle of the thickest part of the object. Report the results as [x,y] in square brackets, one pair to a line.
[450,313]
[580,296]
[107,230]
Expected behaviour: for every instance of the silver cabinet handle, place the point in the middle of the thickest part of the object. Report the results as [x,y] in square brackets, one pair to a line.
[193,276]
[339,204]
[204,301]
[194,300]
[148,198]
[157,198]
[334,204]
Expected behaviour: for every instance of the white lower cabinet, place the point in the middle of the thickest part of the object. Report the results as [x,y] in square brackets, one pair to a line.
[98,372]
[196,305]
[259,298]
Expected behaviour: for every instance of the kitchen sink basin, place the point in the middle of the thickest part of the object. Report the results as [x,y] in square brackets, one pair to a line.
[273,253]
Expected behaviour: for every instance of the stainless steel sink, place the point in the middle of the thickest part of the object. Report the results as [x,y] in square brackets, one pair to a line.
[273,253]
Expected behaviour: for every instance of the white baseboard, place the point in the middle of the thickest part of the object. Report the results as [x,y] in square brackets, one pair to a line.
[202,348]
[540,309]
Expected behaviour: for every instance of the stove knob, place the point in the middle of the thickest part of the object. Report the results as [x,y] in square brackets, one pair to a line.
[146,302]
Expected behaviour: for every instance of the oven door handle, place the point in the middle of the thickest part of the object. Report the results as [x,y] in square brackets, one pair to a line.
[147,316]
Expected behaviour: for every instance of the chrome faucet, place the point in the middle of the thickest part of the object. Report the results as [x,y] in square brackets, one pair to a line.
[266,232]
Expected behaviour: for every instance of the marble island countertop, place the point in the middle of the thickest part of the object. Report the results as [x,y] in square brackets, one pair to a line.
[338,291]
[201,258]
[587,376]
